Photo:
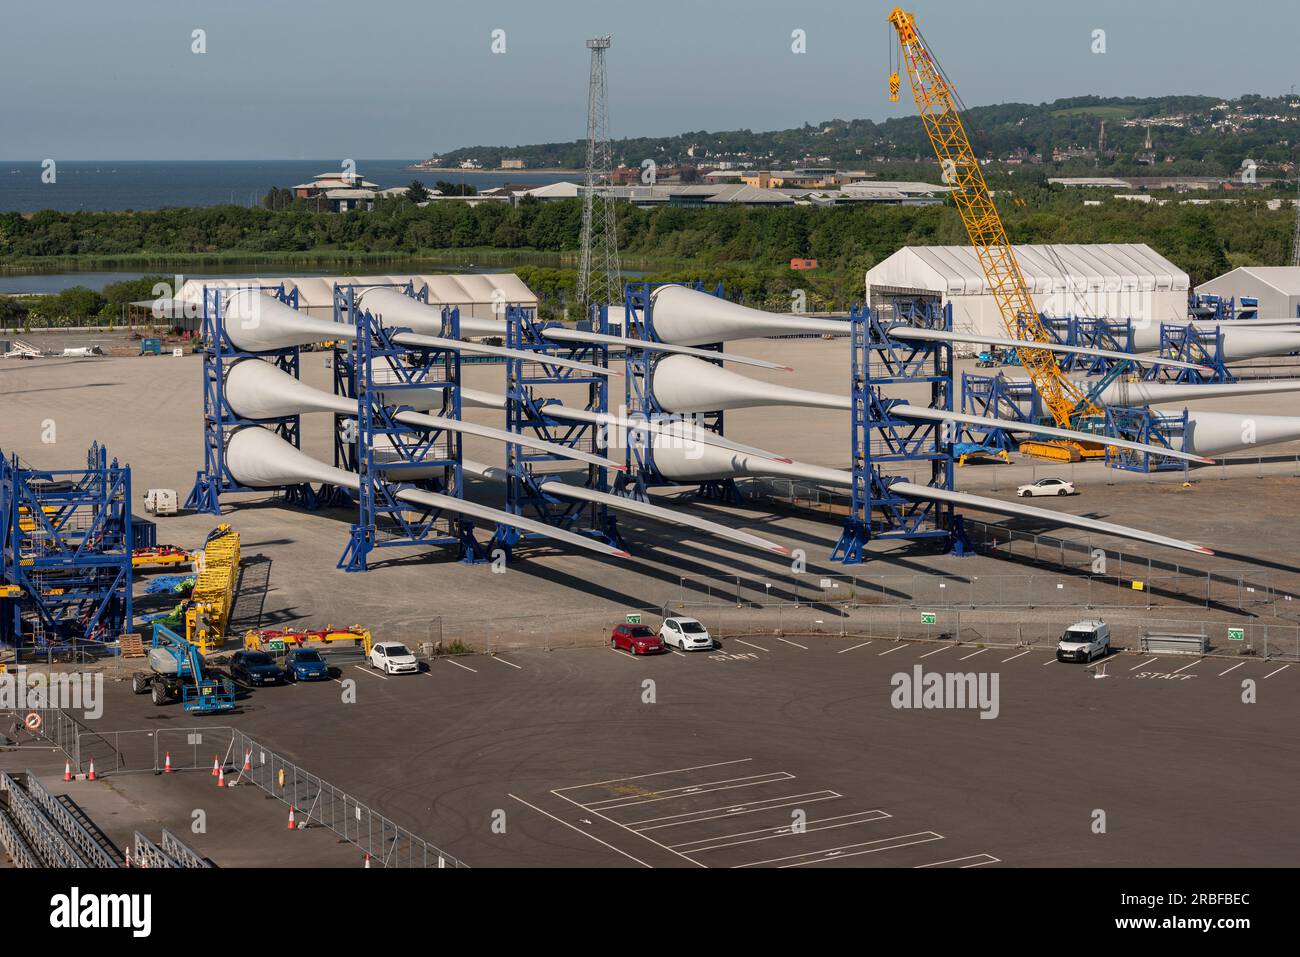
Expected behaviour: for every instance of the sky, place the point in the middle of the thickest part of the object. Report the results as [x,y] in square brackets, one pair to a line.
[292,79]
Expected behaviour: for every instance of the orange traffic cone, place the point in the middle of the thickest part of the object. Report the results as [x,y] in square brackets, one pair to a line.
[91,775]
[292,825]
[367,862]
[167,764]
[216,764]
[248,761]
[128,856]
[67,770]
[221,778]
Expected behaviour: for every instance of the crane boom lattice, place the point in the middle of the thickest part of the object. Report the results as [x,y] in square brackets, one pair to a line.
[936,101]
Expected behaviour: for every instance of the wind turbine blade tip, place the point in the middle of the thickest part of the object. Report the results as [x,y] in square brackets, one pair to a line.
[786,368]
[782,550]
[622,554]
[1204,551]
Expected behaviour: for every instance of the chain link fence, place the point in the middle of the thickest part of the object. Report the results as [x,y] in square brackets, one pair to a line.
[985,627]
[317,803]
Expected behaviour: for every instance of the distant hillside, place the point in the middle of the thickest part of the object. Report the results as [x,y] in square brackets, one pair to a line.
[1190,135]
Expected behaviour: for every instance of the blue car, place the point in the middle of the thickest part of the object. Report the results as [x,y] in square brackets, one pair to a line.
[306,665]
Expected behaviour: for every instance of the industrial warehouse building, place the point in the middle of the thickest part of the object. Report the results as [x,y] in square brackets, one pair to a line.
[477,295]
[1108,280]
[1276,287]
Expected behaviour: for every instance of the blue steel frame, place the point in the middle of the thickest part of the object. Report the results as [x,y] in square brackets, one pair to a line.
[387,455]
[882,441]
[220,420]
[638,323]
[73,564]
[1143,424]
[1187,343]
[526,415]
[998,397]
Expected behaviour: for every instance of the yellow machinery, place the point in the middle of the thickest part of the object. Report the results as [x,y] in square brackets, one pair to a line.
[936,101]
[161,556]
[208,611]
[262,640]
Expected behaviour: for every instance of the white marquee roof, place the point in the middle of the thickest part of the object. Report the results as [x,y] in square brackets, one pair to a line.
[956,271]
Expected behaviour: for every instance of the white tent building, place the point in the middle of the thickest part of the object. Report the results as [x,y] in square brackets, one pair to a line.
[1111,281]
[1276,287]
[477,295]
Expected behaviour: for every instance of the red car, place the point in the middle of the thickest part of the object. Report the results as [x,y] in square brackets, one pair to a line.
[636,640]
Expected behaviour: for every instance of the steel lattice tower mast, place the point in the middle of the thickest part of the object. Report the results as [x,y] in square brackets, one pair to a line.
[599,282]
[1295,235]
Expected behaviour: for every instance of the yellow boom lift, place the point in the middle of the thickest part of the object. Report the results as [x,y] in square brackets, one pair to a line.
[937,102]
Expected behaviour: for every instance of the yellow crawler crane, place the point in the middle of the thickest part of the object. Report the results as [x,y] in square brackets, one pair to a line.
[936,101]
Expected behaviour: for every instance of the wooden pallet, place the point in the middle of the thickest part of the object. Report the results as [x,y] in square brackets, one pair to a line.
[131,646]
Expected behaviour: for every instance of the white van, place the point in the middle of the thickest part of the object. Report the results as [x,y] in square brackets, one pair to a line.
[160,501]
[1084,640]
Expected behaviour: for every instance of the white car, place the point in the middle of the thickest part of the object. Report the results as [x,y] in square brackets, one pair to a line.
[1047,486]
[686,634]
[393,657]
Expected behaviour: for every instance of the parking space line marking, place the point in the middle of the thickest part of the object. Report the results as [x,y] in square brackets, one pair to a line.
[452,661]
[1137,666]
[980,652]
[739,642]
[735,810]
[579,830]
[833,853]
[673,793]
[1233,668]
[854,648]
[367,671]
[1014,657]
[881,815]
[929,653]
[628,829]
[795,643]
[1279,670]
[654,774]
[1050,661]
[987,859]
[504,662]
[784,830]
[891,650]
[1186,666]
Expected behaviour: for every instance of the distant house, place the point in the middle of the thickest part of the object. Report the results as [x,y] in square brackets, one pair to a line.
[339,192]
[512,164]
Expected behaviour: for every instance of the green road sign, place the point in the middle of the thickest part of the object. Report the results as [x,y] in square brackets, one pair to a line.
[634,619]
[1236,634]
[928,618]
[275,645]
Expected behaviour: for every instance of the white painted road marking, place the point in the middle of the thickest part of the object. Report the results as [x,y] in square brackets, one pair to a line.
[1186,666]
[929,653]
[785,830]
[579,830]
[833,853]
[891,651]
[1137,666]
[795,643]
[669,794]
[977,860]
[655,774]
[854,648]
[367,671]
[1279,671]
[980,652]
[734,810]
[504,662]
[1233,668]
[759,647]
[452,661]
[1014,657]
